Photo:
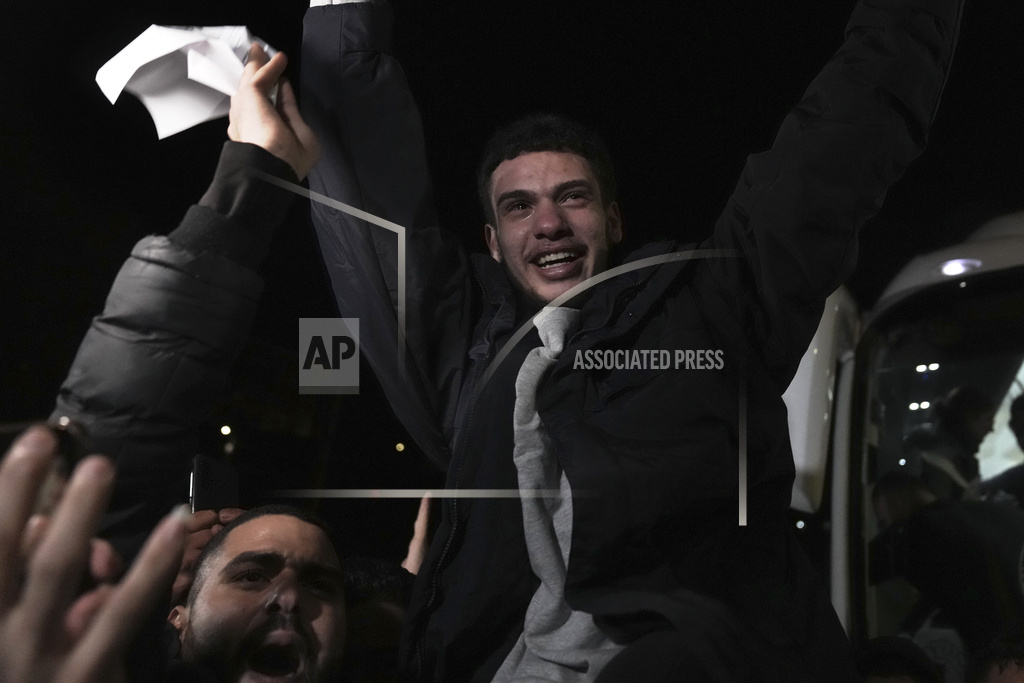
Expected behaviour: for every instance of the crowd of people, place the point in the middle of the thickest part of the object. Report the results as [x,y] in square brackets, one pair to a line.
[629,564]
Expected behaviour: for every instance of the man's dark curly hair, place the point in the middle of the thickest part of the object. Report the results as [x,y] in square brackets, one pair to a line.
[544,133]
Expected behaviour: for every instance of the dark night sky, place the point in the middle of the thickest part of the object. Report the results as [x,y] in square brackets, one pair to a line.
[683,92]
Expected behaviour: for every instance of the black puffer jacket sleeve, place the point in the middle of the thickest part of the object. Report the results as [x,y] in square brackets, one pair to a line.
[151,365]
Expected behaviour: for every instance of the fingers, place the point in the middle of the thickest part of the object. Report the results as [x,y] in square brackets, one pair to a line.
[250,100]
[228,515]
[418,543]
[270,73]
[261,72]
[60,560]
[197,540]
[201,519]
[81,613]
[180,587]
[105,564]
[35,530]
[419,527]
[201,527]
[254,61]
[209,519]
[194,544]
[278,129]
[288,107]
[287,104]
[21,474]
[127,607]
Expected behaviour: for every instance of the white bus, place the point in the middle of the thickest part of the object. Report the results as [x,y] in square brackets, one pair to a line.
[870,382]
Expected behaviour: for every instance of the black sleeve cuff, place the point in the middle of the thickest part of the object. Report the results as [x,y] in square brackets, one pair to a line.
[237,216]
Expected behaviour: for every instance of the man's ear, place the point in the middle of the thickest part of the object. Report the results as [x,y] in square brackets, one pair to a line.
[614,223]
[178,618]
[491,237]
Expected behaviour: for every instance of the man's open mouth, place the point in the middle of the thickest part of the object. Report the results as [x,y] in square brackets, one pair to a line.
[557,258]
[274,660]
[564,264]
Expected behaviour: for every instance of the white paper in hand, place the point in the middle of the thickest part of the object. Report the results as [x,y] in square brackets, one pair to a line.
[184,75]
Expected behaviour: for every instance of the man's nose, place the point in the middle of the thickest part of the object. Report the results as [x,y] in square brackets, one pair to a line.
[550,221]
[285,597]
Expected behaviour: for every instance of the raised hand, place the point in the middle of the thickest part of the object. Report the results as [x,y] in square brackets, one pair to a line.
[418,543]
[279,128]
[201,527]
[48,631]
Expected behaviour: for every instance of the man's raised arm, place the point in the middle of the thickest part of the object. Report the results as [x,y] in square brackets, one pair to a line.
[355,97]
[151,365]
[797,208]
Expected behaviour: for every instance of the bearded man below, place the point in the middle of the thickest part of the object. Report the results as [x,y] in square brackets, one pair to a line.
[267,604]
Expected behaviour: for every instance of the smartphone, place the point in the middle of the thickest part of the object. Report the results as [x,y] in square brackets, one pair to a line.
[213,484]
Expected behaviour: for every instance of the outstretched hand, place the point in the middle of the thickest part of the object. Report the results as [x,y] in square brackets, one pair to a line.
[201,527]
[278,129]
[48,631]
[418,543]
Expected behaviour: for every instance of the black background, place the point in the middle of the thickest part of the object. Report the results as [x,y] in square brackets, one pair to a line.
[683,92]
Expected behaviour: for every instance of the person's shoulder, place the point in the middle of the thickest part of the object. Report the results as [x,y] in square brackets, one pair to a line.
[665,248]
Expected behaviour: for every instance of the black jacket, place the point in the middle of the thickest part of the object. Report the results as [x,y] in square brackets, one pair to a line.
[151,365]
[178,314]
[656,452]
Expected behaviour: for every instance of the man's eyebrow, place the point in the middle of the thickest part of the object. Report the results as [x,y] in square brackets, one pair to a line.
[271,559]
[578,183]
[261,557]
[512,194]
